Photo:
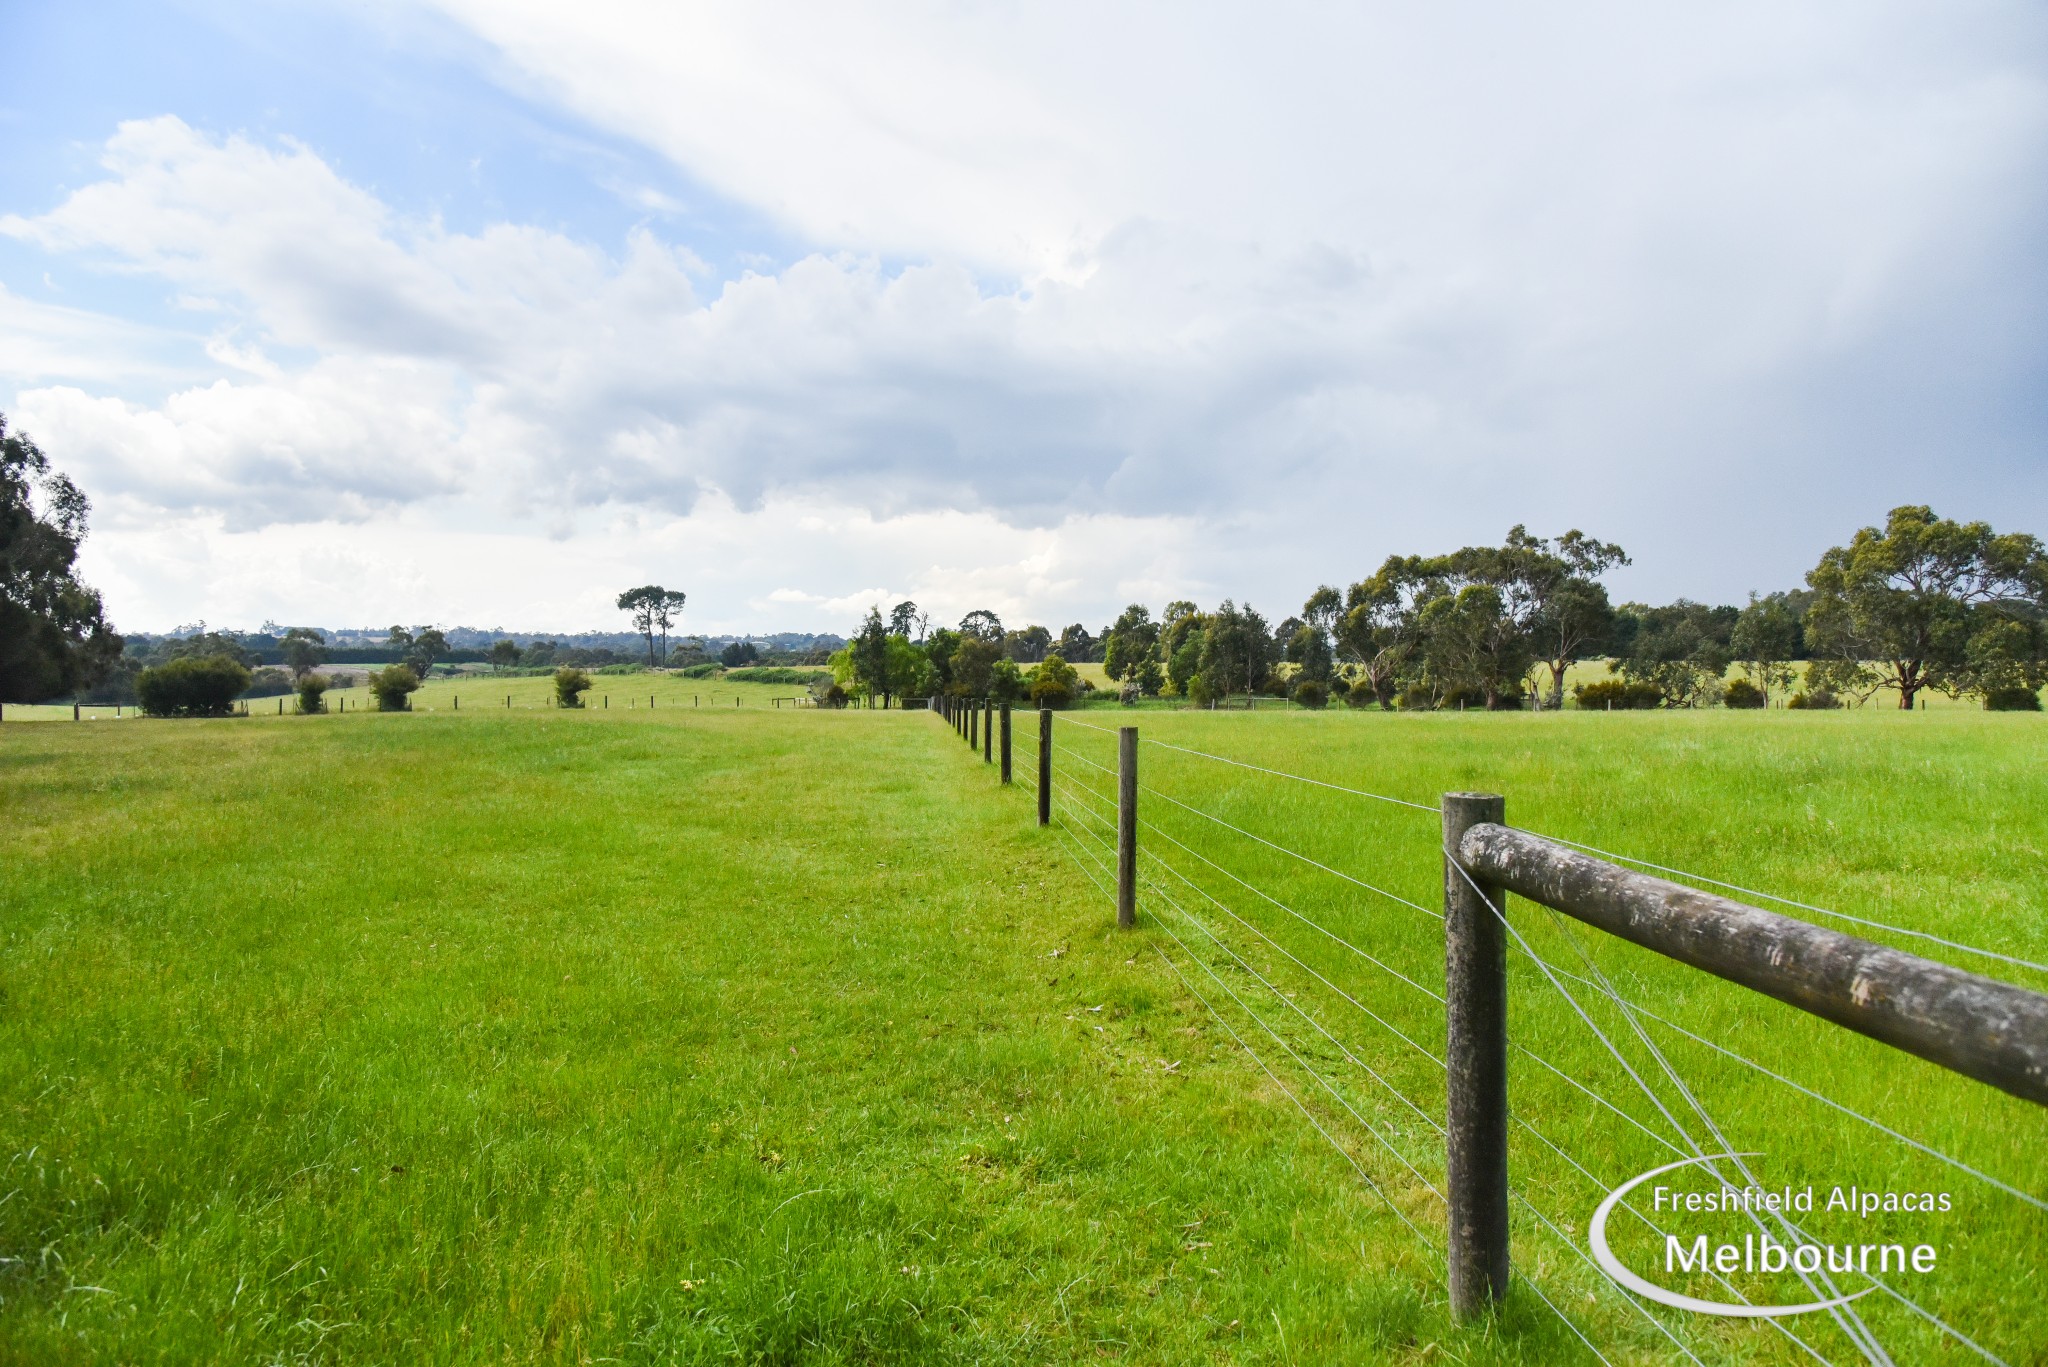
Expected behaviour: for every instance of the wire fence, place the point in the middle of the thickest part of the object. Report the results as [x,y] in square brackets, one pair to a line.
[1311,957]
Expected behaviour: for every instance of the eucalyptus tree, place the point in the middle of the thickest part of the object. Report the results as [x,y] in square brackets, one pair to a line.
[54,637]
[1765,640]
[982,625]
[1565,607]
[1928,602]
[303,649]
[1131,644]
[1379,632]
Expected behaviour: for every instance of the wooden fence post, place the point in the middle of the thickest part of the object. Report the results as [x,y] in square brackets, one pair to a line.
[1127,826]
[973,725]
[988,730]
[1006,740]
[1045,766]
[1476,1052]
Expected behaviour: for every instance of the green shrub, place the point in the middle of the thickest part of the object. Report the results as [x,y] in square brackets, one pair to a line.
[833,696]
[2012,700]
[1462,699]
[1617,695]
[1416,698]
[703,671]
[1820,700]
[1360,695]
[312,687]
[1742,694]
[394,686]
[193,686]
[1308,693]
[1054,683]
[570,686]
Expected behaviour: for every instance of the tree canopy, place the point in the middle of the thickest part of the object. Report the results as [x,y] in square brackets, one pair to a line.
[654,610]
[54,637]
[1927,602]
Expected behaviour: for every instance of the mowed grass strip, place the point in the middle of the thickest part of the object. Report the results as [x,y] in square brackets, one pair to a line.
[656,1037]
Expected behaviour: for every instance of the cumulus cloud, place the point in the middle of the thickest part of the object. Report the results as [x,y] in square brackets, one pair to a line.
[1119,304]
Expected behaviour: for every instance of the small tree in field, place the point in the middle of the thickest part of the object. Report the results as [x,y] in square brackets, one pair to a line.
[1765,640]
[312,689]
[394,686]
[1903,607]
[504,654]
[570,686]
[654,609]
[303,648]
[1054,682]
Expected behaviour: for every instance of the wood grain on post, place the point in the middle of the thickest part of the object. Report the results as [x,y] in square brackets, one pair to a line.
[1045,766]
[1006,741]
[1476,1052]
[1982,1028]
[1127,826]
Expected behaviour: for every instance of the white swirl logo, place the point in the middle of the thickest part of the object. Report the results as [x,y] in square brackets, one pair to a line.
[1596,1236]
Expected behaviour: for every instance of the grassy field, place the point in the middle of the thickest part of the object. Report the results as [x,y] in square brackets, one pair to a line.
[723,1033]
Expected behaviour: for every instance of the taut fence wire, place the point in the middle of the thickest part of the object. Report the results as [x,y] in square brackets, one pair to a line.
[1312,966]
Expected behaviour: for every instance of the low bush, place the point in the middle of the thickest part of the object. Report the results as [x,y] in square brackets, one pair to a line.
[1820,700]
[1617,695]
[833,696]
[1742,694]
[2012,700]
[312,689]
[570,686]
[394,686]
[1360,695]
[1462,699]
[703,671]
[194,686]
[771,674]
[1416,698]
[1308,693]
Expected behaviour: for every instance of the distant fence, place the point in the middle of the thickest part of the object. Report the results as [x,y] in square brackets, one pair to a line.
[1978,1027]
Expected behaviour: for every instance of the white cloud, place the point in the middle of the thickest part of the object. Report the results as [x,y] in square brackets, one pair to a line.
[1197,301]
[431,560]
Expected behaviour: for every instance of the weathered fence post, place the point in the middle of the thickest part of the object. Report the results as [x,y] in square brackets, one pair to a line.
[1045,766]
[988,730]
[973,724]
[1006,740]
[1127,826]
[1476,1052]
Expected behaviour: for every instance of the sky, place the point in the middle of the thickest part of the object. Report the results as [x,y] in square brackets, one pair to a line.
[479,312]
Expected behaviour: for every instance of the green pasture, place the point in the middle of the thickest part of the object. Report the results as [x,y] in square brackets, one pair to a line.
[1933,822]
[729,1033]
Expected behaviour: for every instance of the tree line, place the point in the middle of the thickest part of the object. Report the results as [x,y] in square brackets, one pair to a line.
[1922,604]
